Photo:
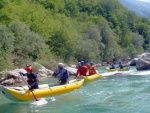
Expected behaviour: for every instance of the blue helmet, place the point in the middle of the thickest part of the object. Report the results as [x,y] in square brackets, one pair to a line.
[91,63]
[119,62]
[82,62]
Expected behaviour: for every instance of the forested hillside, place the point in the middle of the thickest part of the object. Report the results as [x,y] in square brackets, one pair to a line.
[47,31]
[140,7]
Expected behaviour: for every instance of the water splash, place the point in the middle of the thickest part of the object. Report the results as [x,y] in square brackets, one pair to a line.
[132,71]
[53,99]
[41,102]
[141,73]
[109,73]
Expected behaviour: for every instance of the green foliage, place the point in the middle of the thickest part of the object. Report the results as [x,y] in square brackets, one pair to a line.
[27,43]
[87,50]
[6,62]
[49,31]
[6,39]
[61,46]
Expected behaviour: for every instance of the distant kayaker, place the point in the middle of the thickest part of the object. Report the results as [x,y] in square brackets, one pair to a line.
[31,78]
[82,70]
[120,65]
[92,69]
[62,74]
[112,66]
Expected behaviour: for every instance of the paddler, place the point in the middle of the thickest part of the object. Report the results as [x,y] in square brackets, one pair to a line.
[82,70]
[92,69]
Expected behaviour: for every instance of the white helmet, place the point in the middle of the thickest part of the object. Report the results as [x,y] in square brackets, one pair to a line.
[61,64]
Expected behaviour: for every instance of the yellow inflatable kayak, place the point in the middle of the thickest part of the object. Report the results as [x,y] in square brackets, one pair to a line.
[92,77]
[23,94]
[117,69]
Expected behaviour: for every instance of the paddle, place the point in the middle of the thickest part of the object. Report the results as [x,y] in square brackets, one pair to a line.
[100,75]
[30,89]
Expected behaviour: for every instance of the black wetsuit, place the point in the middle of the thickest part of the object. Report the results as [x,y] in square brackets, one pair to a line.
[32,80]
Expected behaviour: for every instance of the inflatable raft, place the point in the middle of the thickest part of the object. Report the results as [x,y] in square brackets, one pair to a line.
[45,90]
[117,69]
[92,77]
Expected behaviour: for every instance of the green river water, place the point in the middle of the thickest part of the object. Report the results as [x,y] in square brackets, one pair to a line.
[127,92]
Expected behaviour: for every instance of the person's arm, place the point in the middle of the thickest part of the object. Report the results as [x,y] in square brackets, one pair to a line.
[87,70]
[77,72]
[94,69]
[55,73]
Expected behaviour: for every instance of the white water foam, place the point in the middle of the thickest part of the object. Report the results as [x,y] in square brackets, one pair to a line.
[53,99]
[130,72]
[42,101]
[140,73]
[109,73]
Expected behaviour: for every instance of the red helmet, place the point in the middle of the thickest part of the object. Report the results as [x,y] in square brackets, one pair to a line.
[29,68]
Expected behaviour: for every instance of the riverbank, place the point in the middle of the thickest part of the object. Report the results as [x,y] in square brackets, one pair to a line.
[13,77]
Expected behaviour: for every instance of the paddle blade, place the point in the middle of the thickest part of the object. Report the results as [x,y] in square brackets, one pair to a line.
[101,76]
[34,96]
[36,99]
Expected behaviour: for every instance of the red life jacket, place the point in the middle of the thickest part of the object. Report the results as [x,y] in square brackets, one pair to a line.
[82,70]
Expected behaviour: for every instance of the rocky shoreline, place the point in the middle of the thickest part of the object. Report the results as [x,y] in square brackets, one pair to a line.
[142,62]
[13,77]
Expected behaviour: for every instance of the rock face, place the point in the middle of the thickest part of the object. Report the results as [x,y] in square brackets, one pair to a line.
[133,62]
[13,76]
[43,72]
[143,61]
[72,71]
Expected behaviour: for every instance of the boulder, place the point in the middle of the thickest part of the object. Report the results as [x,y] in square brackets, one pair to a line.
[98,65]
[44,72]
[8,82]
[133,62]
[41,75]
[2,79]
[14,73]
[72,71]
[143,62]
[73,66]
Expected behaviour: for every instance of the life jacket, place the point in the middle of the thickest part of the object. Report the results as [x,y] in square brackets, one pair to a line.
[82,70]
[32,80]
[92,70]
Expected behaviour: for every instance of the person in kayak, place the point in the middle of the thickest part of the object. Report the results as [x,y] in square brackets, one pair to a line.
[31,78]
[82,70]
[62,74]
[120,65]
[112,66]
[92,69]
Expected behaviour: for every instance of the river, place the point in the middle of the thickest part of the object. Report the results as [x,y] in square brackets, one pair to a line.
[127,92]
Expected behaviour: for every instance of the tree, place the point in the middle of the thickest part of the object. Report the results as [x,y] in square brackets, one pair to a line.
[27,43]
